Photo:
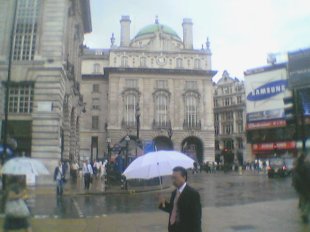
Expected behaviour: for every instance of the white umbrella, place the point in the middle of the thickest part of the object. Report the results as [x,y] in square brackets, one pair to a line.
[157,164]
[24,166]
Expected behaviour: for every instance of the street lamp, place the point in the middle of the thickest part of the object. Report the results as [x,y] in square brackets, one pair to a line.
[170,132]
[127,139]
[138,114]
[8,84]
[109,148]
[108,163]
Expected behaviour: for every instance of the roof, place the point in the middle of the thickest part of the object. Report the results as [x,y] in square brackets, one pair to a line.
[262,69]
[153,28]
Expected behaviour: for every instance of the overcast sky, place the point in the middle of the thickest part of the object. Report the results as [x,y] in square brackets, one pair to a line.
[241,32]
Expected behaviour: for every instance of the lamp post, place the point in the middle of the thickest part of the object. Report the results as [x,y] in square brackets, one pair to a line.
[109,148]
[138,114]
[127,139]
[170,132]
[109,157]
[8,83]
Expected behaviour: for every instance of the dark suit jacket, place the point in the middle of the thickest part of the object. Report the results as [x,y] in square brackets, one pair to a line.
[189,208]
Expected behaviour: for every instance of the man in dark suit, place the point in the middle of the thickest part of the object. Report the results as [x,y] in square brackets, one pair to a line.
[184,207]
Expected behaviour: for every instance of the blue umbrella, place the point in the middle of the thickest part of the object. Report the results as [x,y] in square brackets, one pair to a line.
[9,151]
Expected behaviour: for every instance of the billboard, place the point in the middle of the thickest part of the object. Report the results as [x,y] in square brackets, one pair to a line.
[305,101]
[299,68]
[265,90]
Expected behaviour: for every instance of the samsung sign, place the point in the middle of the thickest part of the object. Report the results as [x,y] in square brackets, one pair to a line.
[267,90]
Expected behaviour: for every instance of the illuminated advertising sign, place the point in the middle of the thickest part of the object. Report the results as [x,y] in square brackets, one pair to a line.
[265,89]
[299,68]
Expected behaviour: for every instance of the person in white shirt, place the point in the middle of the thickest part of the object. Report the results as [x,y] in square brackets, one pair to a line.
[87,172]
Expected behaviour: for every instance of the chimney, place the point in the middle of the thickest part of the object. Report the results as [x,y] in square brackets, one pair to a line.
[125,31]
[187,33]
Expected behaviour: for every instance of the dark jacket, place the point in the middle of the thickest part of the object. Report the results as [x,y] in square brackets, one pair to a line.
[189,208]
[57,170]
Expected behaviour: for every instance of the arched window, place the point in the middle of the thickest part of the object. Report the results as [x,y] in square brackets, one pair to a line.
[161,110]
[191,110]
[130,109]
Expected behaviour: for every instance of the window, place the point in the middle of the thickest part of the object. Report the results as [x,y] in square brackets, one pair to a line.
[131,83]
[239,88]
[21,99]
[227,101]
[26,26]
[179,63]
[95,122]
[191,109]
[197,64]
[229,144]
[228,129]
[239,114]
[216,117]
[124,62]
[161,108]
[229,116]
[96,103]
[191,84]
[239,99]
[96,68]
[240,127]
[130,109]
[216,102]
[161,84]
[216,129]
[240,143]
[217,145]
[96,88]
[143,62]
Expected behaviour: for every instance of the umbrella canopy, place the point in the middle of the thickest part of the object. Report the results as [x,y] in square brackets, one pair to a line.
[156,164]
[24,166]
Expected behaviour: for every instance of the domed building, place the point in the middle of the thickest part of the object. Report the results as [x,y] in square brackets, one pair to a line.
[153,90]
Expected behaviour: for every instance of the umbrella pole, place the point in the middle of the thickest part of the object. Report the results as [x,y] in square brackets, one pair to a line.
[160,183]
[159,176]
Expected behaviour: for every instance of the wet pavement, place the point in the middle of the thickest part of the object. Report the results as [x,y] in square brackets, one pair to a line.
[230,203]
[216,190]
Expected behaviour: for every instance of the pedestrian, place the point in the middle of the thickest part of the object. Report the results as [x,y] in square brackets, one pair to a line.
[16,210]
[59,177]
[301,180]
[74,171]
[184,207]
[87,173]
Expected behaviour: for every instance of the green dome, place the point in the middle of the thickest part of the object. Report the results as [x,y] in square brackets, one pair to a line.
[151,29]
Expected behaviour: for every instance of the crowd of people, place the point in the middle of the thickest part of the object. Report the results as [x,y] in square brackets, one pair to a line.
[87,171]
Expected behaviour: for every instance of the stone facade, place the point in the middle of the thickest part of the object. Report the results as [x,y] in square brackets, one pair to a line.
[230,117]
[53,72]
[163,76]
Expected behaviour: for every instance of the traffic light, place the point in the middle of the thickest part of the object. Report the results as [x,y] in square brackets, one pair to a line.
[289,110]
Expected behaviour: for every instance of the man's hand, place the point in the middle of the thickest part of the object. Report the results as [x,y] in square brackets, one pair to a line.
[161,200]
